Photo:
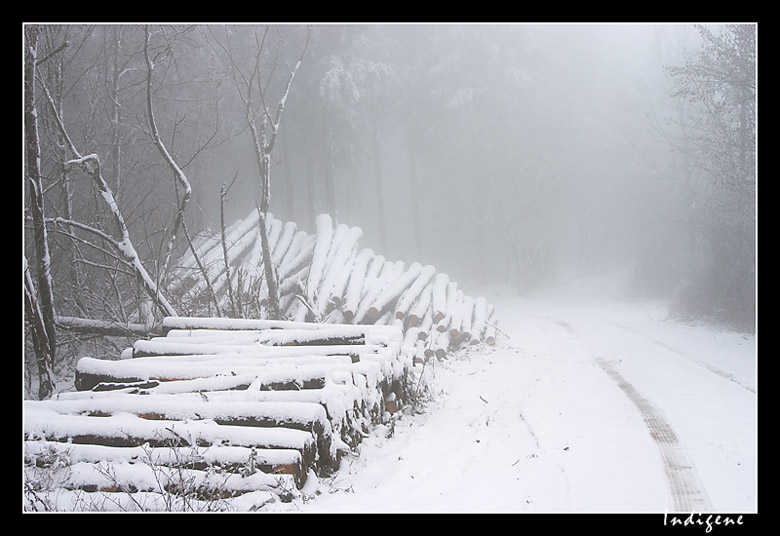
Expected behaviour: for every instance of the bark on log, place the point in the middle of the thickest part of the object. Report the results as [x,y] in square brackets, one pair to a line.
[127,431]
[88,380]
[108,328]
[228,458]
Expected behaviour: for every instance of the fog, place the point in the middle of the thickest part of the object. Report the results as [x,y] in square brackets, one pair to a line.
[506,155]
[515,155]
[527,143]
[336,249]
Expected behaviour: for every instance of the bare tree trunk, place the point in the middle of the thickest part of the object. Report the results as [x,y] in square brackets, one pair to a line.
[263,155]
[178,172]
[264,145]
[378,182]
[42,344]
[289,190]
[311,193]
[124,245]
[270,271]
[202,269]
[329,180]
[263,126]
[43,306]
[117,111]
[228,277]
[415,198]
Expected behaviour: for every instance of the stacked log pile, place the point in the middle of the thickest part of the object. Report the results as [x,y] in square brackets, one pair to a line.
[327,277]
[217,408]
[236,407]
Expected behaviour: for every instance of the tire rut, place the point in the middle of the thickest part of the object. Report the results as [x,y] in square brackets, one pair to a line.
[686,491]
[715,370]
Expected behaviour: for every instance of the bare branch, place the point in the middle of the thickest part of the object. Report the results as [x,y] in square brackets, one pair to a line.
[91,164]
[180,176]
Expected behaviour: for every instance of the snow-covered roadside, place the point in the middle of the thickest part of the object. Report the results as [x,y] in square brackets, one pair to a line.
[536,425]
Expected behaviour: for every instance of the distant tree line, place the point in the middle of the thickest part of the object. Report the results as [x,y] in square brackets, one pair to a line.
[467,146]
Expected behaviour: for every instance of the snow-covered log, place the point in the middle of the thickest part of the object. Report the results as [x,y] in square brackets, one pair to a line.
[440,344]
[375,287]
[425,325]
[479,322]
[326,277]
[298,256]
[422,308]
[354,289]
[387,298]
[319,256]
[466,319]
[439,297]
[411,295]
[338,267]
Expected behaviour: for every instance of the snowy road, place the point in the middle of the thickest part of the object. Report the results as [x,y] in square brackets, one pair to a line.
[584,408]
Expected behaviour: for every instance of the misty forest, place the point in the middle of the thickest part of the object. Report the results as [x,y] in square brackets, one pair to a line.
[515,158]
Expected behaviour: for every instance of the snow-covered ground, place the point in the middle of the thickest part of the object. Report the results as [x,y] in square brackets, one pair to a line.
[587,405]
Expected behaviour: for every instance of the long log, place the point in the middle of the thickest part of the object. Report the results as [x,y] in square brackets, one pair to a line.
[319,256]
[456,316]
[206,244]
[412,294]
[131,430]
[387,298]
[108,328]
[374,288]
[289,231]
[307,417]
[227,458]
[467,308]
[338,267]
[238,324]
[354,288]
[422,307]
[479,322]
[269,337]
[425,325]
[451,297]
[302,257]
[138,486]
[441,344]
[91,372]
[439,297]
[237,239]
[149,349]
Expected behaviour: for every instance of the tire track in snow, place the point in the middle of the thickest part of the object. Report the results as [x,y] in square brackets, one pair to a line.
[686,490]
[689,357]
